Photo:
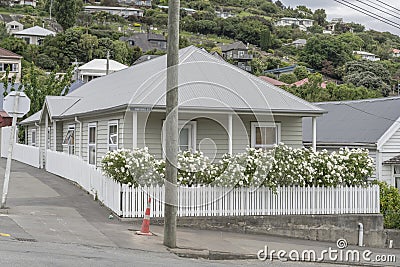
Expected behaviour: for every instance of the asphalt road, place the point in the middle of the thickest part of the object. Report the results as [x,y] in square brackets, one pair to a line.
[39,254]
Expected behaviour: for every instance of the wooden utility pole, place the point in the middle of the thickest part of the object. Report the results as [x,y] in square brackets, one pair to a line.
[171,124]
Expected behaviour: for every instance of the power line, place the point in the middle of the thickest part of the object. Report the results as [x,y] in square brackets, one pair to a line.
[382,6]
[365,10]
[388,5]
[383,11]
[368,13]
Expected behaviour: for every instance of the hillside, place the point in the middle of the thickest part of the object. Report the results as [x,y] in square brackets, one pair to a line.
[253,22]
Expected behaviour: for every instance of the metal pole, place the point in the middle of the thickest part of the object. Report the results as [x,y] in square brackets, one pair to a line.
[108,63]
[10,152]
[51,7]
[171,124]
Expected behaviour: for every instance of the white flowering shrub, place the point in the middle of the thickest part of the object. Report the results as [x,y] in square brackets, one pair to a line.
[249,168]
[132,167]
[305,167]
[282,166]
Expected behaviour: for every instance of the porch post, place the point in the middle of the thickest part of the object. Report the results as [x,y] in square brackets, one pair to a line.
[134,130]
[314,133]
[54,135]
[230,134]
[46,127]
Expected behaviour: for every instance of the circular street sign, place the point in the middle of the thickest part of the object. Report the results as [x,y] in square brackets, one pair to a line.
[24,103]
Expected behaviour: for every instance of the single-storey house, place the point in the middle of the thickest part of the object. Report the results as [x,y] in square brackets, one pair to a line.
[14,26]
[222,109]
[373,124]
[97,68]
[33,35]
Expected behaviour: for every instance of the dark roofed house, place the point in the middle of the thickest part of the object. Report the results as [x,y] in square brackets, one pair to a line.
[372,123]
[147,41]
[239,53]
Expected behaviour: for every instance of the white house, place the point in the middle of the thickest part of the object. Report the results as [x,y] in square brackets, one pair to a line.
[14,26]
[34,35]
[366,55]
[97,68]
[222,109]
[120,11]
[24,2]
[302,23]
[395,52]
[136,2]
[11,61]
[373,124]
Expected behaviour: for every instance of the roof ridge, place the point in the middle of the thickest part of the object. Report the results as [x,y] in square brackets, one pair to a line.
[359,100]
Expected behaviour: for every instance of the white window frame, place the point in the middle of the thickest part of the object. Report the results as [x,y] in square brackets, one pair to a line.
[70,148]
[33,133]
[192,126]
[92,125]
[254,125]
[112,123]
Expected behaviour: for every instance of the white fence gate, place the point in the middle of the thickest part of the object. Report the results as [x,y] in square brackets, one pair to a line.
[27,154]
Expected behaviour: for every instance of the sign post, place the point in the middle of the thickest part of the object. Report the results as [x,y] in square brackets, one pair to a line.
[16,104]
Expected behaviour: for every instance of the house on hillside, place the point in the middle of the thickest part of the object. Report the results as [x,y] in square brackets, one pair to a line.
[366,55]
[115,10]
[395,52]
[33,35]
[273,81]
[11,61]
[97,68]
[146,3]
[24,2]
[303,24]
[147,41]
[14,26]
[289,69]
[126,109]
[372,123]
[238,52]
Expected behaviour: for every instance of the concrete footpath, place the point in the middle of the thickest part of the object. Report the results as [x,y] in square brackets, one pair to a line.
[46,208]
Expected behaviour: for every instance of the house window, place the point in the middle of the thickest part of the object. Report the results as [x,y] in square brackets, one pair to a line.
[241,53]
[69,139]
[187,136]
[265,134]
[92,143]
[33,142]
[12,67]
[27,40]
[49,137]
[112,135]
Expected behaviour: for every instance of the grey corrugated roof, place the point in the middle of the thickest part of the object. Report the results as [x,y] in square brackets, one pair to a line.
[33,118]
[205,83]
[57,105]
[236,45]
[35,31]
[349,122]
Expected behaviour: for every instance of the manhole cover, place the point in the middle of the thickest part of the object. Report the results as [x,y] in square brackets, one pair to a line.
[25,239]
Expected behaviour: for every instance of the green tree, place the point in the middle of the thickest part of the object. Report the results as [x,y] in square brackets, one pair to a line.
[301,72]
[66,11]
[372,75]
[320,17]
[265,39]
[288,78]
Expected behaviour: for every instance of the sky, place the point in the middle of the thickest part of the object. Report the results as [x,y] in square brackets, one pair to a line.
[336,10]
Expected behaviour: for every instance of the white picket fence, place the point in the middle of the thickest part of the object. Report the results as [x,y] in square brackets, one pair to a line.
[27,154]
[127,201]
[220,201]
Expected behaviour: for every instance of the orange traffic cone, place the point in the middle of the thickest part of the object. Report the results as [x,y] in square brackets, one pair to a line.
[146,221]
